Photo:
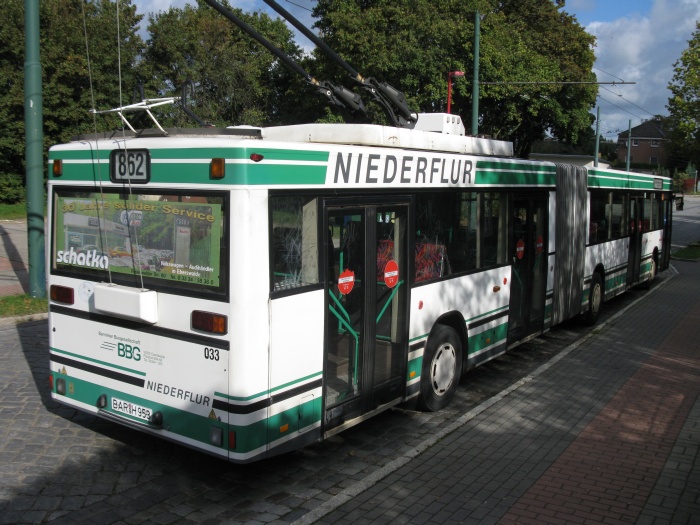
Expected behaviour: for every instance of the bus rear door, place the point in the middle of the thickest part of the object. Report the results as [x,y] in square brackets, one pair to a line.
[529,258]
[366,293]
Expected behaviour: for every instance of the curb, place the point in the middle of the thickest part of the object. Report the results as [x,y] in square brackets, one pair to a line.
[19,319]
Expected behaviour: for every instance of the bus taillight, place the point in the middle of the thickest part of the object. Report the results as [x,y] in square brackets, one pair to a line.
[210,322]
[217,168]
[57,167]
[62,294]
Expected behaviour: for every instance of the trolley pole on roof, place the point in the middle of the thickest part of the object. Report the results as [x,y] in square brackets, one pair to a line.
[34,150]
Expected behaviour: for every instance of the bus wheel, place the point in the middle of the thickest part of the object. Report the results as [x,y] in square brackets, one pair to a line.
[595,299]
[442,366]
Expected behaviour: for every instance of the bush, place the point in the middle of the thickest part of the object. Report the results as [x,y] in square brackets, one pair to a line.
[12,190]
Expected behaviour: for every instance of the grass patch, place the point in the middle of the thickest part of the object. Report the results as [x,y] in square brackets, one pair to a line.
[14,305]
[690,252]
[13,211]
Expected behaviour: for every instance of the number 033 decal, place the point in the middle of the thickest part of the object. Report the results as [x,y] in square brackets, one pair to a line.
[212,354]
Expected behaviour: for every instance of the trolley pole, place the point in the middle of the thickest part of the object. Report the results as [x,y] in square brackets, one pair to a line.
[34,150]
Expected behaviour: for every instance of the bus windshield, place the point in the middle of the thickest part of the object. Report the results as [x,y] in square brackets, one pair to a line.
[164,240]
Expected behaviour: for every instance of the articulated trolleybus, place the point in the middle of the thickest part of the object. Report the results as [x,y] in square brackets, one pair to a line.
[249,291]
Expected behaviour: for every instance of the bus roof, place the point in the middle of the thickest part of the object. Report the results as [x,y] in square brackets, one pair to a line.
[434,132]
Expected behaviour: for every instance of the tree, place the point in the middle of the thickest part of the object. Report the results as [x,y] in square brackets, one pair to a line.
[237,80]
[66,82]
[684,104]
[413,44]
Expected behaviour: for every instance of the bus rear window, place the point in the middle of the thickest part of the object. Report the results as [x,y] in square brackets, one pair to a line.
[163,240]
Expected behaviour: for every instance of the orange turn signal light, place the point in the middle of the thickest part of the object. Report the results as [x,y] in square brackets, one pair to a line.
[210,322]
[57,167]
[217,168]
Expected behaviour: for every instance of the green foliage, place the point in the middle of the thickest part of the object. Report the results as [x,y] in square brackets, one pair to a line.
[684,104]
[410,44]
[678,183]
[237,80]
[67,96]
[11,188]
[413,44]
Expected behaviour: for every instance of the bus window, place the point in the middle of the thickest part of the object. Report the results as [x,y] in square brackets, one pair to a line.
[492,224]
[600,217]
[619,216]
[294,238]
[140,239]
[458,232]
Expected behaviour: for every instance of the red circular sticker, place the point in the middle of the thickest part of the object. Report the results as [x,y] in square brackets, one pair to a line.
[391,273]
[346,281]
[540,244]
[520,249]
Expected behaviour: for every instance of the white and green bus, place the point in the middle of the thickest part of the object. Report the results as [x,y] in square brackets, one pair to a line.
[249,291]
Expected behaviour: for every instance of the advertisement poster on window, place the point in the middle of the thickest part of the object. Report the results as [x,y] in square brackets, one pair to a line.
[158,237]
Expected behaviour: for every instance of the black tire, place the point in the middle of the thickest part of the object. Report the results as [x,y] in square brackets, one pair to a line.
[596,296]
[442,368]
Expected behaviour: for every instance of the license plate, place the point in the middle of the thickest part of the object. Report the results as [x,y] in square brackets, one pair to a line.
[131,409]
[132,165]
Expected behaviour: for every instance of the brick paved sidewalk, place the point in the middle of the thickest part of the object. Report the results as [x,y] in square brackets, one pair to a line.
[610,434]
[14,276]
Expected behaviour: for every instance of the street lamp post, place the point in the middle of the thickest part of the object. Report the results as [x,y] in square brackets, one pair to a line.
[450,76]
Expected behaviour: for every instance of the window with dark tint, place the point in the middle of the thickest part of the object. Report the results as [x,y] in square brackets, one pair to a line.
[600,217]
[294,242]
[619,214]
[457,232]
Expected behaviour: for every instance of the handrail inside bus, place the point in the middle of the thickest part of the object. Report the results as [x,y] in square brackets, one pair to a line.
[386,305]
[355,335]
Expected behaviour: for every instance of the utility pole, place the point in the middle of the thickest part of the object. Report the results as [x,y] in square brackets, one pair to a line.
[629,144]
[597,136]
[475,81]
[34,150]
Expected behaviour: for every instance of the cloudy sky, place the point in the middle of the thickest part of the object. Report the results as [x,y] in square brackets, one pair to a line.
[637,41]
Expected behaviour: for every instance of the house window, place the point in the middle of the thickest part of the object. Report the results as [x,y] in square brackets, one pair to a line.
[654,143]
[635,142]
[653,160]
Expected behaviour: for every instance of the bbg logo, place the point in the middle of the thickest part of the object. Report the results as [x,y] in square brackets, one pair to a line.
[128,351]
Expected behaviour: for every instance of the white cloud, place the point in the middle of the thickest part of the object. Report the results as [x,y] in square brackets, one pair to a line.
[641,49]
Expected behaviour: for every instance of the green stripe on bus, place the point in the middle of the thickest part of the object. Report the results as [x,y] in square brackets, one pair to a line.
[493,336]
[177,421]
[266,393]
[276,174]
[102,363]
[514,166]
[519,177]
[291,155]
[185,173]
[415,366]
[195,427]
[264,432]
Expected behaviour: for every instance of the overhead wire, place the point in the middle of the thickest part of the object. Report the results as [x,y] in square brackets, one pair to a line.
[97,147]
